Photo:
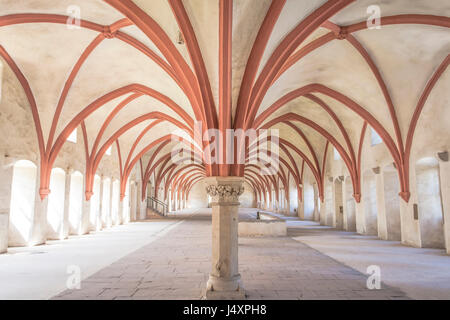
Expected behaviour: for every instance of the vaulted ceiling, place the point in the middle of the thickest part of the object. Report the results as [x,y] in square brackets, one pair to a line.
[137,71]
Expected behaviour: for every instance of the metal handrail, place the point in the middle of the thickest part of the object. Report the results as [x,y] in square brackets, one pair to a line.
[152,203]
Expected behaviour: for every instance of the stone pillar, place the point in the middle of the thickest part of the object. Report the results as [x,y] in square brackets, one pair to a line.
[444,170]
[410,228]
[225,281]
[121,216]
[108,219]
[288,206]
[300,204]
[334,203]
[141,204]
[66,224]
[6,176]
[360,217]
[322,213]
[300,209]
[85,213]
[98,220]
[169,201]
[143,209]
[346,218]
[381,207]
[133,202]
[39,228]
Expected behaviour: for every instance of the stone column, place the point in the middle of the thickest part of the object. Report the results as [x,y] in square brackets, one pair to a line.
[360,217]
[410,228]
[225,281]
[300,204]
[300,210]
[39,229]
[345,218]
[381,206]
[66,224]
[85,213]
[169,201]
[143,209]
[133,201]
[108,219]
[98,220]
[322,213]
[6,176]
[184,201]
[444,170]
[121,216]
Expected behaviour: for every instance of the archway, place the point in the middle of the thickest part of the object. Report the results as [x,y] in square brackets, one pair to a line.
[429,203]
[391,186]
[338,205]
[23,193]
[55,212]
[369,194]
[349,206]
[75,203]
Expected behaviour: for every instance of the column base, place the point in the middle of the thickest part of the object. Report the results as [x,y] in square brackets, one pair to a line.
[224,289]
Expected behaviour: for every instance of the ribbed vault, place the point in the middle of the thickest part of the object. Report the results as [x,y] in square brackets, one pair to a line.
[136,75]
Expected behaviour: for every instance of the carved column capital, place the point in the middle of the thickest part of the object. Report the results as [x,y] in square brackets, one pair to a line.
[224,189]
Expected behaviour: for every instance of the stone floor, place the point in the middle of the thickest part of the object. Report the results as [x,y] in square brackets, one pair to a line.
[41,272]
[170,259]
[176,266]
[420,273]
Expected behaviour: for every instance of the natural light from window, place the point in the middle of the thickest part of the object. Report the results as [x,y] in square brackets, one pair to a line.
[73,136]
[375,138]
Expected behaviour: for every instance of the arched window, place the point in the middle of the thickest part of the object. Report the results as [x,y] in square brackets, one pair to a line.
[375,137]
[73,136]
[23,193]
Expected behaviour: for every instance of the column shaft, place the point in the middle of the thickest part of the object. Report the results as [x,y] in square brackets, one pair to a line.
[225,281]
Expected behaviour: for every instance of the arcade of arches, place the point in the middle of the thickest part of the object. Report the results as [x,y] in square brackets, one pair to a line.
[97,97]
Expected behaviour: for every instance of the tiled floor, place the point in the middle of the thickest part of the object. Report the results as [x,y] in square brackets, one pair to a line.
[176,266]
